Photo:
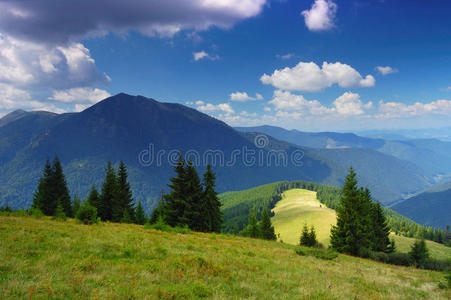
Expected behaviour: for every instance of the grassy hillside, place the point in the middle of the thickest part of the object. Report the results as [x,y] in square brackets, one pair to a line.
[40,258]
[300,206]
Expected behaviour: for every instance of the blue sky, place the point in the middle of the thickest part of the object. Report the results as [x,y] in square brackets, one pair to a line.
[320,57]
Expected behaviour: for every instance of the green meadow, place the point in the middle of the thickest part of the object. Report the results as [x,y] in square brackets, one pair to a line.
[299,206]
[46,259]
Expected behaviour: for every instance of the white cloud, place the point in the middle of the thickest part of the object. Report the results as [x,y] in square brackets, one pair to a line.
[321,15]
[310,77]
[286,101]
[386,70]
[224,107]
[243,97]
[50,22]
[285,56]
[267,109]
[350,104]
[202,54]
[402,110]
[80,95]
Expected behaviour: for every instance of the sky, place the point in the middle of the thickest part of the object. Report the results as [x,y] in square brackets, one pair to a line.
[310,65]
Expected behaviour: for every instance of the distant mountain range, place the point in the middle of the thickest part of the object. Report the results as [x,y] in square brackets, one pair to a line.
[136,129]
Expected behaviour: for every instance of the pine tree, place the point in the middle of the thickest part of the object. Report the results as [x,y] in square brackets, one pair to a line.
[43,198]
[105,208]
[253,229]
[195,214]
[312,237]
[380,228]
[123,197]
[351,234]
[266,228]
[305,239]
[94,197]
[213,205]
[59,189]
[419,252]
[76,203]
[126,217]
[59,213]
[140,215]
[175,203]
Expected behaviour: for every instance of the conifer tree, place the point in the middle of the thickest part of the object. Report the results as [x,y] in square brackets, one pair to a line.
[175,203]
[59,213]
[312,237]
[94,197]
[123,197]
[419,253]
[351,234]
[105,209]
[43,199]
[380,228]
[305,239]
[253,229]
[196,212]
[140,215]
[59,189]
[126,217]
[266,228]
[212,200]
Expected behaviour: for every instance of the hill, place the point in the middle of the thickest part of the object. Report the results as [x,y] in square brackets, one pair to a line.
[432,208]
[40,258]
[300,206]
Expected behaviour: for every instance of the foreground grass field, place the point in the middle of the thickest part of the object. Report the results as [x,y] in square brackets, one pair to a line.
[41,258]
[300,206]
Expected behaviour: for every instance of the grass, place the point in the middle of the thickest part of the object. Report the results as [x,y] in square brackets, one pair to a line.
[46,259]
[300,206]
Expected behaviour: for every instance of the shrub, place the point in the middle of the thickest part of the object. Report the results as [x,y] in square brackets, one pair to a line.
[87,214]
[400,259]
[162,226]
[380,257]
[317,253]
[35,212]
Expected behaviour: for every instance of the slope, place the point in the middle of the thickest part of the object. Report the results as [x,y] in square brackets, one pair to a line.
[40,258]
[429,208]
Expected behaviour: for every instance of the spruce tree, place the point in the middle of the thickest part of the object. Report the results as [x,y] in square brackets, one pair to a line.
[266,228]
[94,197]
[305,239]
[213,205]
[59,213]
[312,237]
[253,228]
[351,234]
[140,215]
[175,203]
[381,230]
[126,217]
[196,212]
[59,189]
[105,209]
[43,198]
[123,197]
[419,253]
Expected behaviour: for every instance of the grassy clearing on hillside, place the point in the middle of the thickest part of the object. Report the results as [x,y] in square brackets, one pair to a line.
[41,258]
[300,206]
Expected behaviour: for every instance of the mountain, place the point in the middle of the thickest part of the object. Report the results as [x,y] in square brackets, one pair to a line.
[131,128]
[432,156]
[429,208]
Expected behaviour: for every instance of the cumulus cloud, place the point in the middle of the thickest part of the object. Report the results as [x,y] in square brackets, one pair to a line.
[52,22]
[386,70]
[286,101]
[244,97]
[204,55]
[309,77]
[321,15]
[28,64]
[224,107]
[80,95]
[350,104]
